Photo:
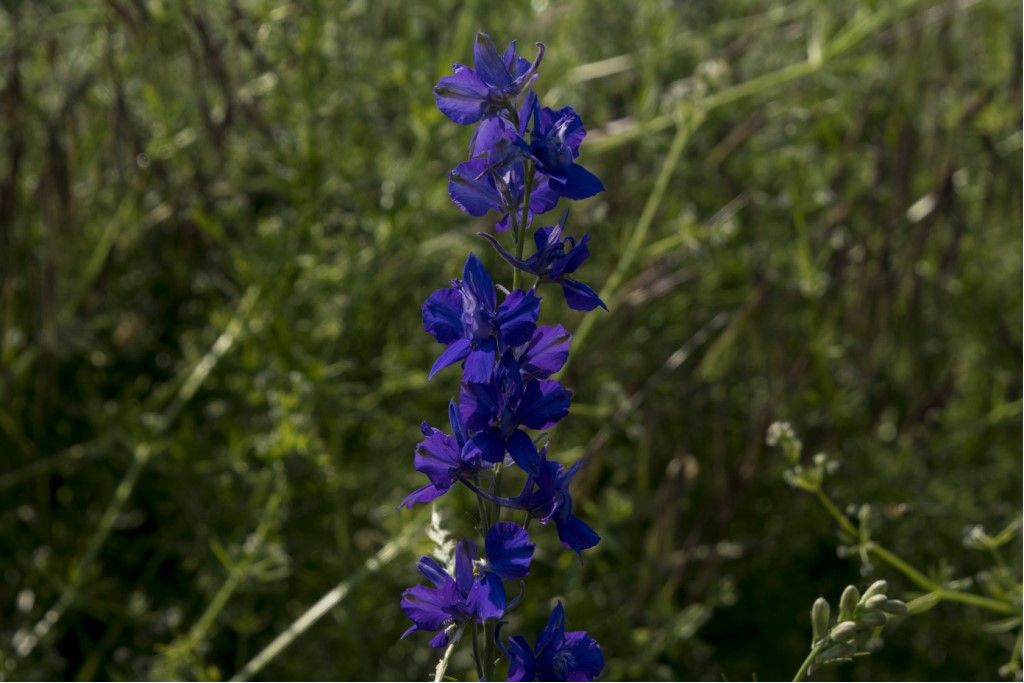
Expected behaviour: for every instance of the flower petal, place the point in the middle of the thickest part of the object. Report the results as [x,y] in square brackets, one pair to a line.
[489,64]
[436,457]
[576,256]
[544,196]
[546,352]
[442,315]
[487,445]
[554,633]
[577,183]
[478,404]
[423,494]
[461,96]
[585,654]
[521,663]
[458,431]
[428,608]
[575,534]
[523,452]
[509,550]
[579,296]
[517,317]
[544,403]
[455,352]
[465,553]
[476,278]
[504,253]
[480,362]
[470,187]
[433,571]
[486,599]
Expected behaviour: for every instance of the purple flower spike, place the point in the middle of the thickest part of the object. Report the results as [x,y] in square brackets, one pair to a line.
[522,161]
[558,655]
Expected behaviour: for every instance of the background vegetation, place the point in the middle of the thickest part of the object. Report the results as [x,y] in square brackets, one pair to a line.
[217,223]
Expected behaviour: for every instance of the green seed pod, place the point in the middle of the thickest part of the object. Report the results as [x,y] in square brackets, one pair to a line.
[843,631]
[874,602]
[894,607]
[819,618]
[848,603]
[871,617]
[877,588]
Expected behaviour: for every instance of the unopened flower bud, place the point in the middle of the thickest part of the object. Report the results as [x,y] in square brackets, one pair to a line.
[874,601]
[871,617]
[894,607]
[843,631]
[877,588]
[848,603]
[819,618]
[836,651]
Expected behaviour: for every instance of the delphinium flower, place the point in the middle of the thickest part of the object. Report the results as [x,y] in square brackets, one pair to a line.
[522,159]
[476,591]
[472,94]
[554,260]
[557,655]
[468,319]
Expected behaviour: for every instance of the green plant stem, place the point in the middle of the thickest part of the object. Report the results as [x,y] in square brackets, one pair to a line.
[801,673]
[519,227]
[915,575]
[476,652]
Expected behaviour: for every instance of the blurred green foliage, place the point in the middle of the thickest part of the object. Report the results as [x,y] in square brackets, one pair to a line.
[217,223]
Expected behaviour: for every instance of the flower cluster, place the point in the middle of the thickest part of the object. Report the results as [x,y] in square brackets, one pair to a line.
[522,161]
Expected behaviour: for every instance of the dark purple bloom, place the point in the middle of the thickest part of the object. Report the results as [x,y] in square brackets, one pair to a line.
[478,186]
[452,601]
[546,495]
[467,317]
[497,409]
[472,94]
[557,656]
[554,145]
[443,458]
[553,261]
[476,591]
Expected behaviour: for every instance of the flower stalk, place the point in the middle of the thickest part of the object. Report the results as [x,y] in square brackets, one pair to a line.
[522,161]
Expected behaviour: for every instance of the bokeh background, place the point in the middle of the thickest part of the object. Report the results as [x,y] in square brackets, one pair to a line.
[218,221]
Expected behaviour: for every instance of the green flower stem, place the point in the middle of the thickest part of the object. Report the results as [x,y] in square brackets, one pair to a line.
[801,673]
[476,652]
[519,227]
[915,575]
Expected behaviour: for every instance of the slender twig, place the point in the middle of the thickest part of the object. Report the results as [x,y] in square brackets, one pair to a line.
[915,575]
[325,604]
